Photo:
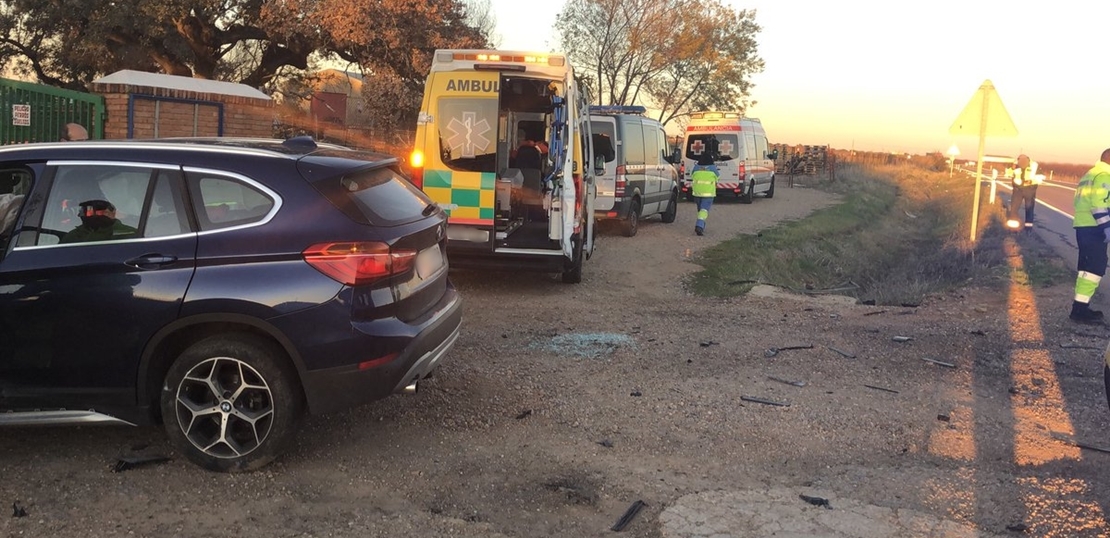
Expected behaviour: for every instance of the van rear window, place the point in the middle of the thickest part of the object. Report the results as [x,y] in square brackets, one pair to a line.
[723,147]
[468,133]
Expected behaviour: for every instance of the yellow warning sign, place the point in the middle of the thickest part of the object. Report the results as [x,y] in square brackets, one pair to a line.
[984,115]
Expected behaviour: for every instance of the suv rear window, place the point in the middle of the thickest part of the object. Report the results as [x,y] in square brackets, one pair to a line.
[379,197]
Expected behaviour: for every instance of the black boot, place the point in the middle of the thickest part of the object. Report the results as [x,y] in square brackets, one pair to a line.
[1082,313]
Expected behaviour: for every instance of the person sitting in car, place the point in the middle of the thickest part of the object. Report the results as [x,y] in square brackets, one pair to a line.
[98,223]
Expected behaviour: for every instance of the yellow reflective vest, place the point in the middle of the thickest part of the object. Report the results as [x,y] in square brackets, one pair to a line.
[1025,176]
[704,181]
[1092,195]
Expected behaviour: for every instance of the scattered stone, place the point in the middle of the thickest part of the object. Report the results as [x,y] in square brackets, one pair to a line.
[17,510]
[901,339]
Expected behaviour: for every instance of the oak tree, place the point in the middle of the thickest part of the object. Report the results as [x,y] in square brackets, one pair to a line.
[69,43]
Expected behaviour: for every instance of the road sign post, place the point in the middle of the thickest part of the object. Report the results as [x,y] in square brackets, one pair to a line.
[984,115]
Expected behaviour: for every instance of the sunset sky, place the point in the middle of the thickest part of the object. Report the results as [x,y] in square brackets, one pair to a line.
[893,76]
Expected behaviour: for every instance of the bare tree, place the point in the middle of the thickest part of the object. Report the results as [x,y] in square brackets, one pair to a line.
[479,15]
[675,56]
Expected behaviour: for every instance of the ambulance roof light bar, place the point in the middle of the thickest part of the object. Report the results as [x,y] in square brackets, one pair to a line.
[715,115]
[448,56]
[617,109]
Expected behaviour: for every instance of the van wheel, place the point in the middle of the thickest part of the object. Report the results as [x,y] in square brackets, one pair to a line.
[672,209]
[632,223]
[771,191]
[749,193]
[572,272]
[231,403]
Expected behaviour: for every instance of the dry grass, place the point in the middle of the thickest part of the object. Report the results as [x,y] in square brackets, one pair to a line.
[900,234]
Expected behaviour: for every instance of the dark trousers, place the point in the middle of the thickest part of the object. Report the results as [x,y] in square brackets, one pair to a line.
[1092,250]
[1024,196]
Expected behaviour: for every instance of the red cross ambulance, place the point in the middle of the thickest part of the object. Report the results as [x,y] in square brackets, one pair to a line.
[739,148]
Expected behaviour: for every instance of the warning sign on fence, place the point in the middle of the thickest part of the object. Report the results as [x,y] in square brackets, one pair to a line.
[21,115]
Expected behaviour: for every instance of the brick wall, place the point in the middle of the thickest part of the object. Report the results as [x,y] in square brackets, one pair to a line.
[163,113]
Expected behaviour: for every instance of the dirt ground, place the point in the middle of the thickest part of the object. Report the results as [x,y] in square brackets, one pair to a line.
[561,405]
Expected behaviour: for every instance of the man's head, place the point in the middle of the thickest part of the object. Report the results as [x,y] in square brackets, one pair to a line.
[1105,156]
[97,213]
[74,131]
[1023,161]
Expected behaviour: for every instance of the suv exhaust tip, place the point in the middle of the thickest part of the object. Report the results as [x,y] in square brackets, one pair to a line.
[409,389]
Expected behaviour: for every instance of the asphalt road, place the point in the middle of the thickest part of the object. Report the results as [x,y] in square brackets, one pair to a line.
[1053,216]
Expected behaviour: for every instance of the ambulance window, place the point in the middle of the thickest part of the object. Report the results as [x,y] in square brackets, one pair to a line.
[633,142]
[468,133]
[761,146]
[749,145]
[724,145]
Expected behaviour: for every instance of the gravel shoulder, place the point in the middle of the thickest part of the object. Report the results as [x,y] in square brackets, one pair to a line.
[563,404]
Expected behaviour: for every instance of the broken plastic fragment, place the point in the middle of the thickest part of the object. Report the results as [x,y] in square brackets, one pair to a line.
[628,516]
[816,501]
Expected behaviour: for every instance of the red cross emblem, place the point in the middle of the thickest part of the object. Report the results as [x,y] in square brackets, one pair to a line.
[697,146]
[726,148]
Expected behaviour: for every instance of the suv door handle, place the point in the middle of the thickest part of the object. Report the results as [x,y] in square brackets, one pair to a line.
[150,261]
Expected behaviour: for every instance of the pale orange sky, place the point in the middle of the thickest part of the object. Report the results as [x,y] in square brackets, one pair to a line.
[893,76]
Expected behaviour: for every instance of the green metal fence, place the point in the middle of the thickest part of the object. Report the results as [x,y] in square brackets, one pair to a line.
[36,113]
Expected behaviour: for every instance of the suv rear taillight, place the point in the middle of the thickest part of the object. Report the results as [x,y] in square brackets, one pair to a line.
[621,182]
[358,263]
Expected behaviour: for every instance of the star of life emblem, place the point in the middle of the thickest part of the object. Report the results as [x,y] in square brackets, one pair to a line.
[468,136]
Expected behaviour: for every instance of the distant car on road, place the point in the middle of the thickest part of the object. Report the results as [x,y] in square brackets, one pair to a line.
[220,286]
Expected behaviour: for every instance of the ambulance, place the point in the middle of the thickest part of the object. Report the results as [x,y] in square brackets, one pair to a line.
[739,148]
[503,145]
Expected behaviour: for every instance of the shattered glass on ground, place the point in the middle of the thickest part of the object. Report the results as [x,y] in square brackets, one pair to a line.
[585,345]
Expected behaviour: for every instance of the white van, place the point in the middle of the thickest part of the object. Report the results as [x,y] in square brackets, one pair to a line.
[739,148]
[633,170]
[502,145]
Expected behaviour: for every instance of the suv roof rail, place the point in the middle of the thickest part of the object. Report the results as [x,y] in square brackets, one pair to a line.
[618,109]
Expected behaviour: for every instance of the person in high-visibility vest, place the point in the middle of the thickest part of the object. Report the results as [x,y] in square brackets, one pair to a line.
[1092,233]
[704,188]
[1025,179]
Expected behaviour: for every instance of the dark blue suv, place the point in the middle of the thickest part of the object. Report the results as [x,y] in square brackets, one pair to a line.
[221,286]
